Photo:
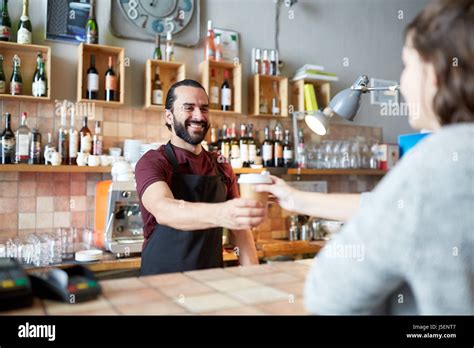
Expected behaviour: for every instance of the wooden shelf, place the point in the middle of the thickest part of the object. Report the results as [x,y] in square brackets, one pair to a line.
[263,85]
[223,113]
[41,168]
[27,54]
[170,72]
[205,70]
[321,88]
[299,171]
[102,54]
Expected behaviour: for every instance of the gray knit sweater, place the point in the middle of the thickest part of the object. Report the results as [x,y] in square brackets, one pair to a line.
[410,248]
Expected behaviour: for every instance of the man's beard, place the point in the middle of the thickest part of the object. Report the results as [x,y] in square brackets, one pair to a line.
[181,130]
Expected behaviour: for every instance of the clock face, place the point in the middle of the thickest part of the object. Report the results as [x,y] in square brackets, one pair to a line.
[159,16]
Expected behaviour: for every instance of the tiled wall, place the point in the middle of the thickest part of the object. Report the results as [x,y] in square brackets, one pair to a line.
[41,202]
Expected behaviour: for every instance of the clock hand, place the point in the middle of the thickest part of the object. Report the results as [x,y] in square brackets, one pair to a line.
[153,3]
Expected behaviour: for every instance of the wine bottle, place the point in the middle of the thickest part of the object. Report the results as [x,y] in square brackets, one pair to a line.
[5,23]
[92,80]
[169,50]
[63,139]
[219,49]
[267,149]
[24,26]
[273,63]
[287,150]
[275,99]
[23,141]
[244,146]
[35,147]
[16,81]
[214,91]
[234,144]
[252,145]
[73,140]
[3,82]
[278,148]
[210,53]
[226,93]
[110,82]
[157,93]
[7,151]
[225,144]
[97,140]
[40,81]
[92,29]
[85,136]
[157,52]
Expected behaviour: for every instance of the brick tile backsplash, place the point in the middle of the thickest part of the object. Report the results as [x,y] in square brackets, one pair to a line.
[43,202]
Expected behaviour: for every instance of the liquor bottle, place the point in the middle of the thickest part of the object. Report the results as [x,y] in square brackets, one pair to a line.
[157,52]
[252,145]
[278,148]
[267,149]
[257,64]
[40,81]
[5,23]
[257,143]
[7,142]
[35,147]
[219,49]
[301,150]
[63,139]
[287,150]
[225,144]
[273,63]
[263,107]
[275,99]
[24,26]
[234,144]
[49,146]
[22,141]
[265,63]
[169,50]
[244,146]
[110,82]
[213,146]
[92,29]
[157,92]
[97,140]
[3,81]
[226,93]
[214,91]
[73,140]
[92,80]
[16,81]
[85,137]
[210,53]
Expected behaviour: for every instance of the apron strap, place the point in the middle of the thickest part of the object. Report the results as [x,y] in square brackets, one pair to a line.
[171,156]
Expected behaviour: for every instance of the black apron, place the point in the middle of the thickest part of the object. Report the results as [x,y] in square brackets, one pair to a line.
[171,250]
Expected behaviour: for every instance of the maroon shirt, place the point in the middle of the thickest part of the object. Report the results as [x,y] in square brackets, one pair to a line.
[154,167]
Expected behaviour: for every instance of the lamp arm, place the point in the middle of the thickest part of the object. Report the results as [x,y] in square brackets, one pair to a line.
[366,89]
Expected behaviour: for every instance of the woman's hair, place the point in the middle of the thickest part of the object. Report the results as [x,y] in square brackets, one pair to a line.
[443,34]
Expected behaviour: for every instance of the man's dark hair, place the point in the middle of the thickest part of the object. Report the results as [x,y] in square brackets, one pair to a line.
[171,96]
[443,34]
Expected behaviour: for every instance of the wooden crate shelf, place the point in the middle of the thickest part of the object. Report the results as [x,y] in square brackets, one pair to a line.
[235,81]
[170,72]
[263,84]
[27,54]
[322,89]
[41,168]
[102,54]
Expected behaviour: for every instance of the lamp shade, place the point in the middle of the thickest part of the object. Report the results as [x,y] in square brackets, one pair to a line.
[317,122]
[346,103]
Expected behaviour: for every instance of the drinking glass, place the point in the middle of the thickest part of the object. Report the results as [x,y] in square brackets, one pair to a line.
[345,155]
[67,242]
[355,155]
[3,249]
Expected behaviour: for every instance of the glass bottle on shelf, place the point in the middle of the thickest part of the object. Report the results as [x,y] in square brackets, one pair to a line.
[278,148]
[257,64]
[40,81]
[73,140]
[265,63]
[5,23]
[244,146]
[16,82]
[22,141]
[273,63]
[110,82]
[92,91]
[301,150]
[267,149]
[24,26]
[7,142]
[210,50]
[263,107]
[225,144]
[157,52]
[169,50]
[252,145]
[85,137]
[92,29]
[287,150]
[157,92]
[214,91]
[275,99]
[226,93]
[97,140]
[35,147]
[219,49]
[234,144]
[3,81]
[63,139]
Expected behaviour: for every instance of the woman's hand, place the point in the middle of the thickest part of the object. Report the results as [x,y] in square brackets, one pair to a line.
[284,193]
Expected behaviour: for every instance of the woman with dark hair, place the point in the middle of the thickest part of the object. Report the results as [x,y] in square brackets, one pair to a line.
[408,247]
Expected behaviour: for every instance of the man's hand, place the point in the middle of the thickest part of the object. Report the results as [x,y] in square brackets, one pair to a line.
[240,214]
[284,193]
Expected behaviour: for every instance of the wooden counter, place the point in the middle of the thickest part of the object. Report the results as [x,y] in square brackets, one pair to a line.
[274,288]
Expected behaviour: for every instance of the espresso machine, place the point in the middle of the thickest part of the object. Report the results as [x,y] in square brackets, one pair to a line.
[118,219]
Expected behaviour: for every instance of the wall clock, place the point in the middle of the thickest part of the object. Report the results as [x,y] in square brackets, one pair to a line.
[143,19]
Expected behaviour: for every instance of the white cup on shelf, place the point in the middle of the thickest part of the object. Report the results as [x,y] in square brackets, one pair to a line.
[81,159]
[53,157]
[93,160]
